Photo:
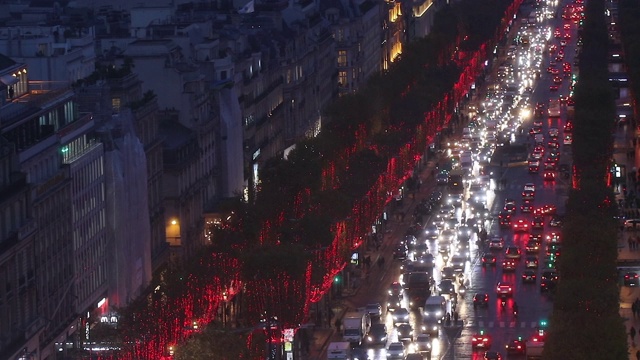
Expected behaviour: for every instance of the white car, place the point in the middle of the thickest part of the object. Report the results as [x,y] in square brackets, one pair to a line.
[422,343]
[529,186]
[396,351]
[400,316]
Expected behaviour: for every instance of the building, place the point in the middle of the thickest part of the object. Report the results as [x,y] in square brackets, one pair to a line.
[420,17]
[393,32]
[20,321]
[58,54]
[357,33]
[63,168]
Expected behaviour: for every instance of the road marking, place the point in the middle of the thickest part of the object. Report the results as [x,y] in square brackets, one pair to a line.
[534,324]
[501,324]
[512,324]
[523,324]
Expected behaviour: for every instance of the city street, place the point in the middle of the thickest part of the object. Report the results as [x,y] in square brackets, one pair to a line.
[523,66]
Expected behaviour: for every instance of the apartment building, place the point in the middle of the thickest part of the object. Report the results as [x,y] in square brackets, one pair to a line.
[63,169]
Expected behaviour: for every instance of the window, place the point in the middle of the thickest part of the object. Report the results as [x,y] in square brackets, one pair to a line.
[342,58]
[115,104]
[342,79]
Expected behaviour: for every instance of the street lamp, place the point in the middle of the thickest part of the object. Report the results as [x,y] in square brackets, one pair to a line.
[225,298]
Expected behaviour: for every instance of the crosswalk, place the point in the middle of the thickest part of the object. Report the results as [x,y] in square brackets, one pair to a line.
[504,324]
[559,183]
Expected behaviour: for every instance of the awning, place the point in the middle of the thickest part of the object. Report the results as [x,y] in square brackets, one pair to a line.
[8,79]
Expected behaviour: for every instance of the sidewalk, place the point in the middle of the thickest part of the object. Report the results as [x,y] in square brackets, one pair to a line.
[628,155]
[358,296]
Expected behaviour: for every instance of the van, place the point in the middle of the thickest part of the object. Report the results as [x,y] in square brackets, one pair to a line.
[339,351]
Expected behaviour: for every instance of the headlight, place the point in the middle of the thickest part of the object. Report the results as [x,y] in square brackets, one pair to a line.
[438,313]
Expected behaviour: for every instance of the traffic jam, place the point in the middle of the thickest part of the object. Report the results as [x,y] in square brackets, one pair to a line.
[474,276]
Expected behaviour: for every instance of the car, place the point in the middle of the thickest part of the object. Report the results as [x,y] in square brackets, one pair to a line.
[432,232]
[377,334]
[529,187]
[631,279]
[549,175]
[553,249]
[516,347]
[520,225]
[395,289]
[442,178]
[457,262]
[550,164]
[427,260]
[446,287]
[480,299]
[488,259]
[405,332]
[553,238]
[492,355]
[550,274]
[396,350]
[537,222]
[547,285]
[512,252]
[504,289]
[505,222]
[549,209]
[374,310]
[394,303]
[529,276]
[448,273]
[568,140]
[413,356]
[422,344]
[555,221]
[532,246]
[401,315]
[509,209]
[526,207]
[557,80]
[528,195]
[496,243]
[464,233]
[480,340]
[553,87]
[568,127]
[531,262]
[508,265]
[631,224]
[400,252]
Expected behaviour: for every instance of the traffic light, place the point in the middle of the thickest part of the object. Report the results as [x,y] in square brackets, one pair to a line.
[337,279]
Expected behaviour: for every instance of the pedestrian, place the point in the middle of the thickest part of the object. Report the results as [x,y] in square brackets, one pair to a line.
[455,318]
[632,334]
